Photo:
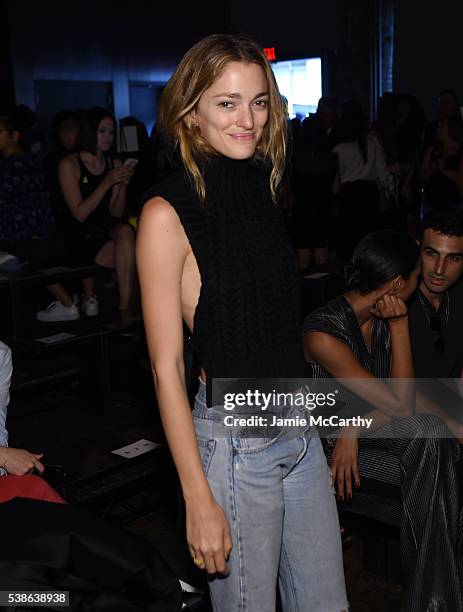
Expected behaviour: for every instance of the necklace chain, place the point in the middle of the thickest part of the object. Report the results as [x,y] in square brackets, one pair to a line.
[426,312]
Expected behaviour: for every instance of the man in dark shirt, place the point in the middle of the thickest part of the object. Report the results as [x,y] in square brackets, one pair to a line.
[436,310]
[435,319]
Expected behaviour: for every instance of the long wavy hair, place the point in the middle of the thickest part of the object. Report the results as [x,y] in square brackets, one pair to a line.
[199,68]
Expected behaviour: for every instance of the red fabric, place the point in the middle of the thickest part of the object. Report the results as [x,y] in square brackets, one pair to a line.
[29,486]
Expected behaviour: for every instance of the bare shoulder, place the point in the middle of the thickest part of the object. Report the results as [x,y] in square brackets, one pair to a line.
[160,218]
[70,163]
[158,211]
[321,346]
[320,339]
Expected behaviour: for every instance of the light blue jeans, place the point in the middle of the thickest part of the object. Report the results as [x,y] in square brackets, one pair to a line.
[280,505]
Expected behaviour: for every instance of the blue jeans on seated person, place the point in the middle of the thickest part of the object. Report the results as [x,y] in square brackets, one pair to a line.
[279,502]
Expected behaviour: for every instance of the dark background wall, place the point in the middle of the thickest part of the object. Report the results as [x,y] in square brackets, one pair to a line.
[429,49]
[101,41]
[140,41]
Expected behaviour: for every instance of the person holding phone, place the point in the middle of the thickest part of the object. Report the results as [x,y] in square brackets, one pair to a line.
[95,189]
[213,252]
[362,337]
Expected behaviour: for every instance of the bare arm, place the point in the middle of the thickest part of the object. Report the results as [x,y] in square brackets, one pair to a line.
[388,401]
[118,200]
[68,173]
[335,357]
[162,248]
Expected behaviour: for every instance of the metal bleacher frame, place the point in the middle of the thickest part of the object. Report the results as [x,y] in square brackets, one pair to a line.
[17,335]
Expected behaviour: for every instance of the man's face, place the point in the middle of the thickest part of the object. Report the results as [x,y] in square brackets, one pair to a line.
[441,259]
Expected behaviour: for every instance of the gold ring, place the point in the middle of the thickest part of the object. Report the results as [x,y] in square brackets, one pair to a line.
[198,562]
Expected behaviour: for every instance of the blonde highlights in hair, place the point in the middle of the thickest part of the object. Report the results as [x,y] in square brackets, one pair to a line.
[199,68]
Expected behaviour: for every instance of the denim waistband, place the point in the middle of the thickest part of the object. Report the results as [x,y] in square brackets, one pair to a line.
[216,415]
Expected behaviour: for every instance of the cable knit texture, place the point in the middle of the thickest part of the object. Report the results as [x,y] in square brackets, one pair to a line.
[247,321]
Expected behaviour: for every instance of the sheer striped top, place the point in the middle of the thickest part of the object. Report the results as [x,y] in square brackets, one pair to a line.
[338,319]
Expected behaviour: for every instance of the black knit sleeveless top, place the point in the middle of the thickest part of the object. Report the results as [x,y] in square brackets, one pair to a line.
[247,322]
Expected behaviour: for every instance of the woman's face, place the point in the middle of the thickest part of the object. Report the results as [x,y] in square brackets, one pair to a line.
[233,112]
[105,134]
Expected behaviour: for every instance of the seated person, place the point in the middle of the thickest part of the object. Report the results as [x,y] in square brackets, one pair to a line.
[363,337]
[17,464]
[436,327]
[442,167]
[94,187]
[63,136]
[26,220]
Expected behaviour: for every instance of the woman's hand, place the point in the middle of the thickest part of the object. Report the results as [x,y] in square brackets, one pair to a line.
[121,174]
[344,464]
[20,461]
[389,307]
[208,536]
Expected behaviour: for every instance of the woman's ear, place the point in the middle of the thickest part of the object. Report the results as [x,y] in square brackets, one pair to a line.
[191,120]
[393,286]
[397,284]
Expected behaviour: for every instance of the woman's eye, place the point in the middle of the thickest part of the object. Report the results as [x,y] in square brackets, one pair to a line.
[226,104]
[261,103]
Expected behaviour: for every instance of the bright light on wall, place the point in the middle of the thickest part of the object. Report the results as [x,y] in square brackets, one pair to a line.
[300,81]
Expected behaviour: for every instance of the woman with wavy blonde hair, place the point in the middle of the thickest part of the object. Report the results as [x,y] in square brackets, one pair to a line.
[213,252]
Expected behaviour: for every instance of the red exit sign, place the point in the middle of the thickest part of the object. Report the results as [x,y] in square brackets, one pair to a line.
[270,53]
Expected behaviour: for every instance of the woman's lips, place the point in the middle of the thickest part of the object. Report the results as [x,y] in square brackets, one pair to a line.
[246,137]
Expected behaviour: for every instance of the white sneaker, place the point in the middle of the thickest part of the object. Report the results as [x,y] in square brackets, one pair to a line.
[57,312]
[90,307]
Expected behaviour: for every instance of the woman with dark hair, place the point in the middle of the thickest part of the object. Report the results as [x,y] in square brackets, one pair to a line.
[213,252]
[362,337]
[361,165]
[94,188]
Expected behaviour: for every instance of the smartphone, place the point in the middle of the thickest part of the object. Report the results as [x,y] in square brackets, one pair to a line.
[131,162]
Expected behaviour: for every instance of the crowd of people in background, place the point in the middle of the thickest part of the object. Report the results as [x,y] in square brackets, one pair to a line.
[68,198]
[74,199]
[349,172]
